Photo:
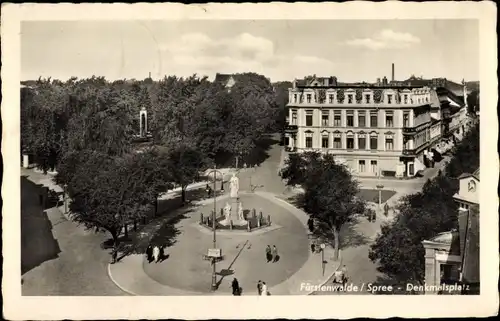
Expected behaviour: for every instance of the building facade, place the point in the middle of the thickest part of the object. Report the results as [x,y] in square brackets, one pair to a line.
[377,130]
[453,257]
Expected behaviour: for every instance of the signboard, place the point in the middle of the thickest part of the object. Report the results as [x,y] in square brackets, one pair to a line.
[214,253]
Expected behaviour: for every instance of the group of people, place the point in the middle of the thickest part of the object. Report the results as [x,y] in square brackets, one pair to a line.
[272,254]
[156,253]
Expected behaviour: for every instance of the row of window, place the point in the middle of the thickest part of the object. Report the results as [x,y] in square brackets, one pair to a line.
[362,166]
[367,98]
[337,143]
[337,119]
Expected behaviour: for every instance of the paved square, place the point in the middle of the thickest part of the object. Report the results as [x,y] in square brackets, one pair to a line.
[244,254]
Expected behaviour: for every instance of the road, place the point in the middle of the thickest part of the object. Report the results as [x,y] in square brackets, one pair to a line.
[59,257]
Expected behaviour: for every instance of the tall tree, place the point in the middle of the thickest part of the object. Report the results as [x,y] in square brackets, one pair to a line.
[109,192]
[330,194]
[185,165]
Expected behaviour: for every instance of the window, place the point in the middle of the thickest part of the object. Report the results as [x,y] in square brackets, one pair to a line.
[361,166]
[350,142]
[374,166]
[308,98]
[309,118]
[389,144]
[361,118]
[309,142]
[350,118]
[337,142]
[325,142]
[373,119]
[324,119]
[361,142]
[330,98]
[349,99]
[373,142]
[389,99]
[294,117]
[367,99]
[294,98]
[463,206]
[337,119]
[406,99]
[389,119]
[406,119]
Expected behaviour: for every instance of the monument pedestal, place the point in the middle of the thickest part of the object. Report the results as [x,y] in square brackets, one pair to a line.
[237,221]
[233,214]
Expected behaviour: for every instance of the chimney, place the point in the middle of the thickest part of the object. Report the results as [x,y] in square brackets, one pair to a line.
[150,74]
[378,81]
[392,71]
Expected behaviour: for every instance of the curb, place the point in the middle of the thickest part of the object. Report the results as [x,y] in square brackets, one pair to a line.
[117,284]
[331,275]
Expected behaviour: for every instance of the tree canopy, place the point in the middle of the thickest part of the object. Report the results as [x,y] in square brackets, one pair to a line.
[330,193]
[398,248]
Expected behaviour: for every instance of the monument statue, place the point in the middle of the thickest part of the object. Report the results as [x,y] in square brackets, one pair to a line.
[240,212]
[234,185]
[227,212]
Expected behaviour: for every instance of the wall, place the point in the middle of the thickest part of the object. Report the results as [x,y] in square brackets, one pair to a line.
[464,190]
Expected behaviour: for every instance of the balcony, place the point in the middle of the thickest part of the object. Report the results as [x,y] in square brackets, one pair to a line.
[409,130]
[291,129]
[409,152]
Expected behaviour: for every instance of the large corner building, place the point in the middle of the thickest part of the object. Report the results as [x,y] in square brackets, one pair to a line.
[382,129]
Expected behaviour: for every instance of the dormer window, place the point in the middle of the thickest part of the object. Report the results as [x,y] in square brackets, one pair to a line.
[308,98]
[330,98]
[406,99]
[389,99]
[367,99]
[294,98]
[349,99]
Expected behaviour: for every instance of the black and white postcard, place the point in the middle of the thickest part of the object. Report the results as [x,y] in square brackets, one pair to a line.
[182,161]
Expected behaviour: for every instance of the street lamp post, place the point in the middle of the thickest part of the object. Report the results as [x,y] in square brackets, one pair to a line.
[214,226]
[380,186]
[323,257]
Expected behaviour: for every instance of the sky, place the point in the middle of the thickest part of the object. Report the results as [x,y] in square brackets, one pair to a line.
[351,50]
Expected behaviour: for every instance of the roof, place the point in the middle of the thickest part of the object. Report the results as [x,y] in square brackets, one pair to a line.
[475,175]
[323,81]
[222,77]
[450,238]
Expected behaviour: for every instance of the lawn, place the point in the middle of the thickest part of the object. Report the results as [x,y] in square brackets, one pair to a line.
[371,195]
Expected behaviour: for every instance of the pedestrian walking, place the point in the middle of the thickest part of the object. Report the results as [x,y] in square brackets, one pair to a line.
[344,274]
[310,225]
[275,254]
[149,253]
[264,289]
[208,189]
[313,247]
[156,253]
[269,256]
[162,252]
[259,287]
[236,286]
